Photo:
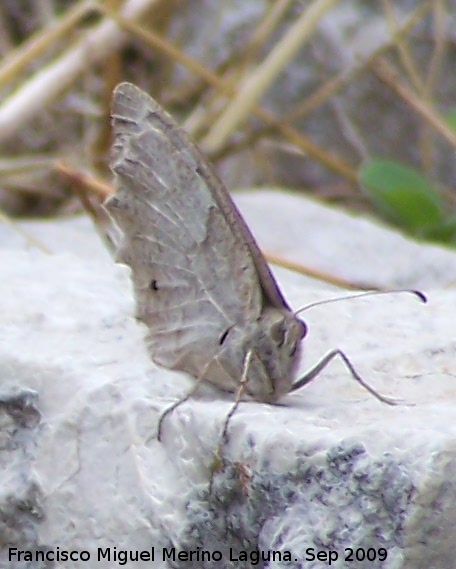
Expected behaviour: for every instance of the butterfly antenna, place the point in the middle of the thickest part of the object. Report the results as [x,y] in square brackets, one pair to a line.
[420,295]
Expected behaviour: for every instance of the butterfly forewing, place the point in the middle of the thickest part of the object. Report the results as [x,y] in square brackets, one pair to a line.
[191,282]
[202,286]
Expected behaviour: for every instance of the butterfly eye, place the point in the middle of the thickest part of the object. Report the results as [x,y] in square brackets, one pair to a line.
[278,333]
[301,331]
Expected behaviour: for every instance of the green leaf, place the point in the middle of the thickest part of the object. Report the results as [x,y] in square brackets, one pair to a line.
[451,119]
[402,195]
[443,232]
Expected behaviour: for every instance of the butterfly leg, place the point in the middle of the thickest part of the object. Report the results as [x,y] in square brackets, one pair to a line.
[315,371]
[237,400]
[180,401]
[218,454]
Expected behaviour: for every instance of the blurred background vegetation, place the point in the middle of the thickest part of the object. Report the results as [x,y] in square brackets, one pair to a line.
[352,102]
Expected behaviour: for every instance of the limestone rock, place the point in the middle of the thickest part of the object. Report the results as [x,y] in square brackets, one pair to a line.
[328,469]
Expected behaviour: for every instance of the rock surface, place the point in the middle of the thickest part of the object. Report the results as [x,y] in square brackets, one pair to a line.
[329,469]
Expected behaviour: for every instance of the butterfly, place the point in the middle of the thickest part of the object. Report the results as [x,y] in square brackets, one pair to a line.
[203,288]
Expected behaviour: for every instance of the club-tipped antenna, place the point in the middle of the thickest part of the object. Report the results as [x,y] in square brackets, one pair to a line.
[420,295]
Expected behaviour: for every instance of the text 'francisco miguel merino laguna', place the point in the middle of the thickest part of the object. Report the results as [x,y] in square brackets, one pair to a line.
[122,557]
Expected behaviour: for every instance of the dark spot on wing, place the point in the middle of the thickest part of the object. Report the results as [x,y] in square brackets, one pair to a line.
[224,336]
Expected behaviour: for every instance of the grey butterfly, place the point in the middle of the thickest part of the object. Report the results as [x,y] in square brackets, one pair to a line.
[202,286]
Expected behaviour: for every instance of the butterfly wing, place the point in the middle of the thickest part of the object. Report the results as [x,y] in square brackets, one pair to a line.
[194,276]
[201,284]
[271,292]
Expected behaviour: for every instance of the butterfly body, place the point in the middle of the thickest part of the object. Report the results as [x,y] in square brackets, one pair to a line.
[201,284]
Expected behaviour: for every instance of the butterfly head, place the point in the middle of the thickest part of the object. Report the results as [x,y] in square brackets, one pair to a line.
[276,346]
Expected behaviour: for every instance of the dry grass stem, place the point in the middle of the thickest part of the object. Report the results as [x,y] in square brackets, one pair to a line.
[61,61]
[18,59]
[32,241]
[264,75]
[48,83]
[291,135]
[280,261]
[388,75]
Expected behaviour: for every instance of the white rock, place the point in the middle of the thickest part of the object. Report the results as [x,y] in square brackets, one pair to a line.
[329,469]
